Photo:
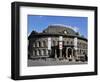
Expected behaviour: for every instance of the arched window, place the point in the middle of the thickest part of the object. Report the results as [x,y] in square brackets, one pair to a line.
[71,42]
[44,52]
[35,53]
[39,52]
[80,51]
[39,44]
[54,43]
[63,42]
[35,44]
[44,43]
[69,52]
[86,46]
[67,42]
[80,45]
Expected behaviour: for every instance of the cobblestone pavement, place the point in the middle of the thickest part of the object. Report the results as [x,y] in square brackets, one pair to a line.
[49,62]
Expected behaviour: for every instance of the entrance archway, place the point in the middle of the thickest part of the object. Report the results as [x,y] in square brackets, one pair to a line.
[70,52]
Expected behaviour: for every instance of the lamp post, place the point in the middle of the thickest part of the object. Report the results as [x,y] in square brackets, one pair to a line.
[60,46]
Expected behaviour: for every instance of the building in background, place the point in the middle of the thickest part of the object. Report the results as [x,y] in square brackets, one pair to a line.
[57,41]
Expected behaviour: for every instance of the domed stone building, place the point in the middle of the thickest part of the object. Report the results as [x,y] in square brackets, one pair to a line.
[57,41]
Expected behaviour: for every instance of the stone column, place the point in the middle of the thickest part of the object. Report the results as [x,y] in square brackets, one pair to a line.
[60,46]
[60,54]
[55,54]
[49,46]
[75,47]
[66,53]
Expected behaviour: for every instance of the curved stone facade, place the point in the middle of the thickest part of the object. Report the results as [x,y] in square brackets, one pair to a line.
[38,44]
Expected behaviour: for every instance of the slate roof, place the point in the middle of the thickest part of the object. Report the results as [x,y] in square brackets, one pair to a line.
[59,29]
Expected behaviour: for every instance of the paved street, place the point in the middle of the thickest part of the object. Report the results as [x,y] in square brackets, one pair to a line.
[49,62]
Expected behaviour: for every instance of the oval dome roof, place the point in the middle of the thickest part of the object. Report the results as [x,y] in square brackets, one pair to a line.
[59,29]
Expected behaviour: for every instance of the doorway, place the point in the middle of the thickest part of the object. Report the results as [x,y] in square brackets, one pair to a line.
[70,52]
